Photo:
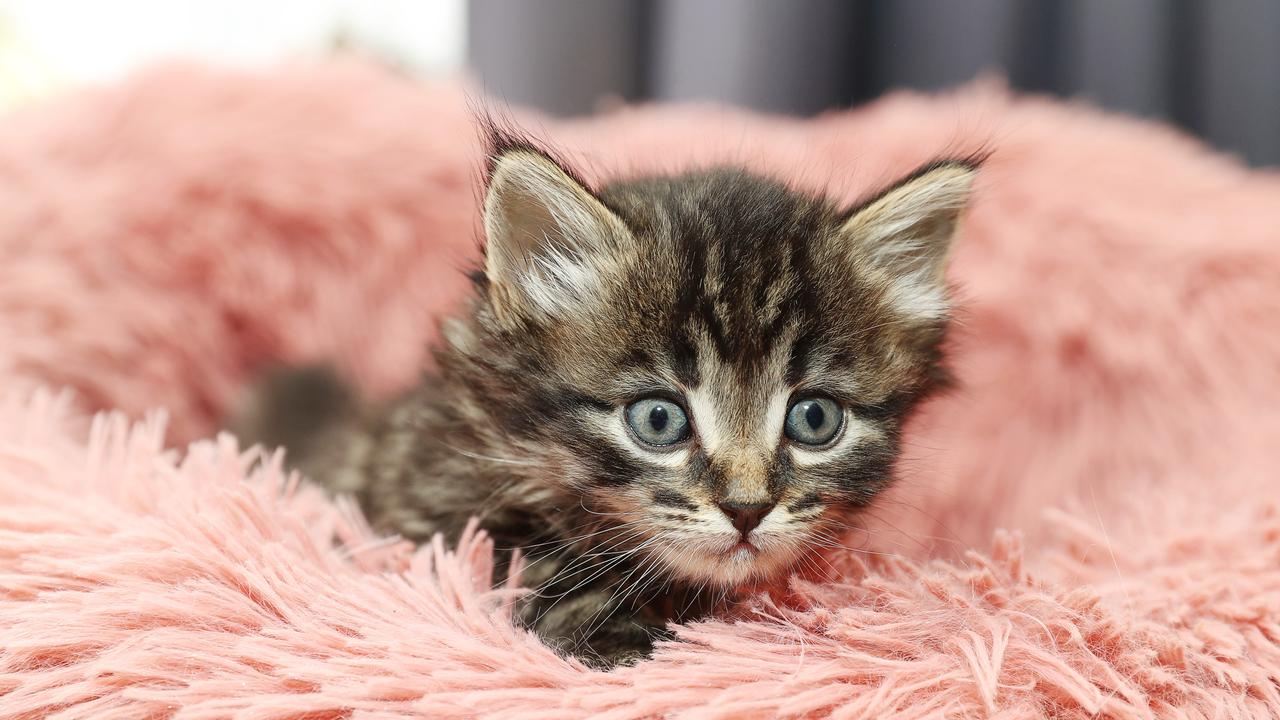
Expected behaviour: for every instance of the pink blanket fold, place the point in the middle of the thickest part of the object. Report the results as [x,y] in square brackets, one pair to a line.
[1088,527]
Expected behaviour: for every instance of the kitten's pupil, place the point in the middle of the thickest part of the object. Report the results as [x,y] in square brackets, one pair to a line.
[658,418]
[814,415]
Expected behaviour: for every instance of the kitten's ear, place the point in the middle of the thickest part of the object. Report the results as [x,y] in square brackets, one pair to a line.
[547,236]
[906,233]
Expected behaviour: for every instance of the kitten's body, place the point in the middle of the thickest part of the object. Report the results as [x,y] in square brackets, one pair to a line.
[721,294]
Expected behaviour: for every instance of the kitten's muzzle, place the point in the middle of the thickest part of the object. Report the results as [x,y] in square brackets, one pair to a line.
[745,516]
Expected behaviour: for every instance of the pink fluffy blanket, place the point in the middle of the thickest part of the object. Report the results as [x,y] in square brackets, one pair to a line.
[1088,527]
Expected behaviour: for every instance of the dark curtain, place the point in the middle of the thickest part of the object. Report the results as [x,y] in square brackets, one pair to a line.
[1211,66]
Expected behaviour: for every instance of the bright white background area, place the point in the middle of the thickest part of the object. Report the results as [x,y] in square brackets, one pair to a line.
[47,44]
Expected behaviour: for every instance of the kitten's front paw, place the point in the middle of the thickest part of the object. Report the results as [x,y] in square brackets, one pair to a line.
[619,643]
[573,628]
[622,658]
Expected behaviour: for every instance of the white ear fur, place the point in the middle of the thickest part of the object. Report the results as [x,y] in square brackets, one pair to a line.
[545,235]
[906,233]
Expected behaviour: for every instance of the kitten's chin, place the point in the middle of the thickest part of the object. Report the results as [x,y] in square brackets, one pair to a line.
[735,565]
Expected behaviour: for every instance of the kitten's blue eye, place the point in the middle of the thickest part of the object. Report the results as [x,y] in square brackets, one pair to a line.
[657,421]
[814,421]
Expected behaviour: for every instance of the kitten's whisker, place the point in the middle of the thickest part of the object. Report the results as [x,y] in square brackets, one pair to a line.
[585,559]
[953,539]
[582,561]
[609,607]
[603,569]
[646,560]
[601,513]
[564,543]
[592,565]
[571,591]
[693,597]
[862,551]
[823,540]
[579,538]
[639,584]
[810,561]
[604,612]
[489,458]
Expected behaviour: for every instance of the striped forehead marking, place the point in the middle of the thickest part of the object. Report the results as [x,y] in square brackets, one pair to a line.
[730,406]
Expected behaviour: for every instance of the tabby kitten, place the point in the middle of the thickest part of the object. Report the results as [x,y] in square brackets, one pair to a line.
[664,389]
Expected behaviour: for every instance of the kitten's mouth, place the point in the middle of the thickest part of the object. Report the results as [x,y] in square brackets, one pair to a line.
[729,560]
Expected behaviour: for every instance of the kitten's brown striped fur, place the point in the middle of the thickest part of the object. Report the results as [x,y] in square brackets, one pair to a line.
[722,291]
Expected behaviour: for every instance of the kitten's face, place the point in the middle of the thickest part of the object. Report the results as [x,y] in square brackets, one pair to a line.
[719,366]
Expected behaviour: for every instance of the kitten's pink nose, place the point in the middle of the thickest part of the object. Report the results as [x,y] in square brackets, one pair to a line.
[746,516]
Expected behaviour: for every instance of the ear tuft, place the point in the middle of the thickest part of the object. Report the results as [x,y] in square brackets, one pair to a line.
[501,137]
[547,236]
[905,233]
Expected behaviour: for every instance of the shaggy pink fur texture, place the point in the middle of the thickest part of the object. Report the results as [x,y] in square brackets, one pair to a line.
[1088,527]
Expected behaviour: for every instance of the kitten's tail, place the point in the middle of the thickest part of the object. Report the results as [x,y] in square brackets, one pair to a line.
[305,410]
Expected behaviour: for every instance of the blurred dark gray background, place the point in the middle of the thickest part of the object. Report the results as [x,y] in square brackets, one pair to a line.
[1212,66]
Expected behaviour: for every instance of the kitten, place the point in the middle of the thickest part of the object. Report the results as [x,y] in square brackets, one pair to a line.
[664,389]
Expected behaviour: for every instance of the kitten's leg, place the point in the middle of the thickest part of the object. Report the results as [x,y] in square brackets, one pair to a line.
[311,413]
[595,627]
[580,611]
